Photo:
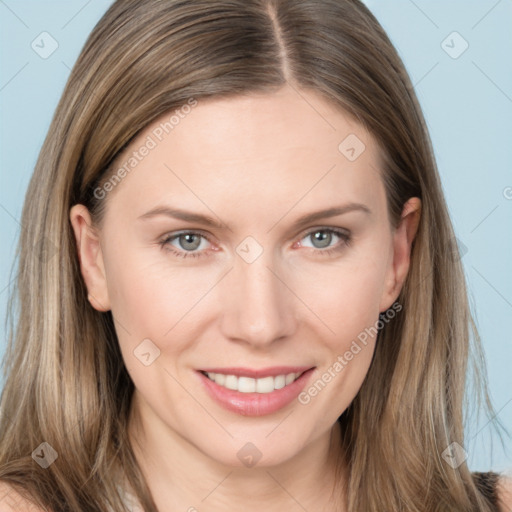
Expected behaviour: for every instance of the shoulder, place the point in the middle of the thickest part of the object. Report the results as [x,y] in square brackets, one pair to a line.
[12,501]
[504,491]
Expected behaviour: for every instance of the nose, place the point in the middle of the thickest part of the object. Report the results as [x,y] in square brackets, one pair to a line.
[258,307]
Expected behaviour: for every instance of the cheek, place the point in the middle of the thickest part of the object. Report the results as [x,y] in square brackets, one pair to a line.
[150,295]
[345,294]
[351,309]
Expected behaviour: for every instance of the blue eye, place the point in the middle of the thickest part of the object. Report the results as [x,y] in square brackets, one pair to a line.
[323,237]
[190,243]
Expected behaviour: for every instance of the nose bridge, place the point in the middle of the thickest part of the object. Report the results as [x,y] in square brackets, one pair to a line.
[260,309]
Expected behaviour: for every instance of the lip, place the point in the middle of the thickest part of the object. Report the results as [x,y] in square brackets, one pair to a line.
[256,404]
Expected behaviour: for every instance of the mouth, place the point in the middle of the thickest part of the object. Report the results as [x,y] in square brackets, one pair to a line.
[255,392]
[245,384]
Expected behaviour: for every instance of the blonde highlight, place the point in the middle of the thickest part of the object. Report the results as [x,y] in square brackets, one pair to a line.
[66,382]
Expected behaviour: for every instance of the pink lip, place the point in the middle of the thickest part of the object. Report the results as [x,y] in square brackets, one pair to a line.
[256,404]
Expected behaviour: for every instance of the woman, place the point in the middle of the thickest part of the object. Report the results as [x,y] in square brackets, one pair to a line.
[246,291]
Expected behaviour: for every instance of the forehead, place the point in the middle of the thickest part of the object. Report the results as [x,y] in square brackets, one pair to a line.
[271,148]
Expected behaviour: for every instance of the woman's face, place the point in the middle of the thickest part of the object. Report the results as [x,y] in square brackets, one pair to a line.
[209,262]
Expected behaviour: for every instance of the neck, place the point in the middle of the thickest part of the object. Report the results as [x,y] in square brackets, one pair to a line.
[181,477]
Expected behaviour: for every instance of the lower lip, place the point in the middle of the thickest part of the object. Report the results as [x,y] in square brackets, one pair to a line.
[255,404]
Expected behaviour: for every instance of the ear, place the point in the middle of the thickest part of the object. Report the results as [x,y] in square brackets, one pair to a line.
[401,252]
[90,257]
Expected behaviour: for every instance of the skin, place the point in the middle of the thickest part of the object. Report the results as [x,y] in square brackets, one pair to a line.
[256,163]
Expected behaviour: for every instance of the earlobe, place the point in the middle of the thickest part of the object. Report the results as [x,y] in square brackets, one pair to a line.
[90,257]
[401,252]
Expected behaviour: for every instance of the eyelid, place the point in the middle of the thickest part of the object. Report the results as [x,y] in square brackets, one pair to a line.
[175,234]
[165,241]
[334,229]
[344,234]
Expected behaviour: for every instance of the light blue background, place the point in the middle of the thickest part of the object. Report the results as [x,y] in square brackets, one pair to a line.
[467,102]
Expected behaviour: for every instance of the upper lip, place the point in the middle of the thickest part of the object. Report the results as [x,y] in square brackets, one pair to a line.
[258,373]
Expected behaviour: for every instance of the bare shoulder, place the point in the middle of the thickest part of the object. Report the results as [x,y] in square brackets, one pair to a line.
[504,490]
[12,501]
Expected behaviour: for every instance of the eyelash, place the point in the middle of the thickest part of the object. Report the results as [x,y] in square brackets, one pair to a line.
[344,235]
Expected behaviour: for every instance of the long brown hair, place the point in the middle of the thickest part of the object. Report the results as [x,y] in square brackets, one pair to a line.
[66,381]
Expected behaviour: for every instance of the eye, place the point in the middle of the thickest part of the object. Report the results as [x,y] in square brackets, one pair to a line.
[188,244]
[185,244]
[322,239]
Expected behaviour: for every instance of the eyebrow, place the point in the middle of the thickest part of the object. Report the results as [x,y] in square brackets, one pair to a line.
[211,222]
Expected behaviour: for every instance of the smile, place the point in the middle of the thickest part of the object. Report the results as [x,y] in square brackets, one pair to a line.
[251,385]
[255,392]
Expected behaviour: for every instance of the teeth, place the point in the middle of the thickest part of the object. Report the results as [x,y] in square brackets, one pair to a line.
[231,382]
[246,385]
[279,381]
[250,385]
[219,378]
[265,385]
